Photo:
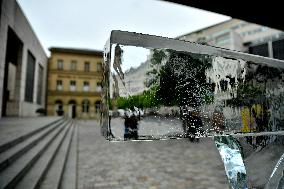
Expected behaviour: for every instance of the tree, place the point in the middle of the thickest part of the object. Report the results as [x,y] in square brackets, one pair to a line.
[181,78]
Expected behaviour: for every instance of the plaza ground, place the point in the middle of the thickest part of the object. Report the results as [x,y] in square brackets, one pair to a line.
[176,164]
[93,162]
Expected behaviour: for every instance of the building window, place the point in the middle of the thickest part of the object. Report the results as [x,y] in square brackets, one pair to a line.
[236,27]
[99,67]
[223,38]
[60,64]
[85,106]
[278,49]
[72,85]
[87,66]
[86,86]
[29,89]
[39,84]
[261,50]
[73,65]
[99,87]
[59,85]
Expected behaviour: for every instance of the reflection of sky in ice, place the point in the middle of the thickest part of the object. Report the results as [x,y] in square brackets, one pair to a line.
[232,159]
[132,56]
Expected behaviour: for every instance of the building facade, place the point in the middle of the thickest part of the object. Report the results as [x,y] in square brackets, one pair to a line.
[272,47]
[134,80]
[23,64]
[233,34]
[74,82]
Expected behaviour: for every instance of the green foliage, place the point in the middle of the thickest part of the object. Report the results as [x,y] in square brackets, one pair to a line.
[248,91]
[145,100]
[149,98]
[122,103]
[158,57]
[181,80]
[209,98]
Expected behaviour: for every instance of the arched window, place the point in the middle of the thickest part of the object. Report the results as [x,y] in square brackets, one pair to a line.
[59,104]
[97,106]
[85,106]
[72,102]
[59,107]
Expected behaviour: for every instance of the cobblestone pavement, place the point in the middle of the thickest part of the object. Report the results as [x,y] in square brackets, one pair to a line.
[175,164]
[13,127]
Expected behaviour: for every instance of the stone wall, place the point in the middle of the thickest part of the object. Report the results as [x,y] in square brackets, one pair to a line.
[13,17]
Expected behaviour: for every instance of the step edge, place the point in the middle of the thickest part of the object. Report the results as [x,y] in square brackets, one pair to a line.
[66,156]
[49,163]
[5,163]
[14,181]
[21,138]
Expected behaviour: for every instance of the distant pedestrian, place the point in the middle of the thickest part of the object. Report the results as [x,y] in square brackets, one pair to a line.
[133,126]
[126,125]
[218,120]
[195,125]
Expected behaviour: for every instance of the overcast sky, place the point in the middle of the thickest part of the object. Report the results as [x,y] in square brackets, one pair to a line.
[88,23]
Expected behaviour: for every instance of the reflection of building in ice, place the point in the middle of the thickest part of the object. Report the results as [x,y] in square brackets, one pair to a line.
[134,80]
[226,73]
[239,35]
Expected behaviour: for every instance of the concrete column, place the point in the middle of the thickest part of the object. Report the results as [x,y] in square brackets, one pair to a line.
[14,104]
[35,82]
[3,39]
[23,80]
[270,49]
[18,78]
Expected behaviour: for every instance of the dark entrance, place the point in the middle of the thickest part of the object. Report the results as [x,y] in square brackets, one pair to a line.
[72,108]
[59,108]
[12,74]
[97,106]
[73,111]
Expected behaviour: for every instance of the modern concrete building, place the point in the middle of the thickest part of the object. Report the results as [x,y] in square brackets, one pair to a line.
[23,64]
[270,47]
[74,82]
[232,34]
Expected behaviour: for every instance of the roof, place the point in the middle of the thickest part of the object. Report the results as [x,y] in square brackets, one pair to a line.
[205,28]
[76,51]
[266,13]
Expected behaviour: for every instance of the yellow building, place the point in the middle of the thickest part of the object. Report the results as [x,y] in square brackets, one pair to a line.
[74,82]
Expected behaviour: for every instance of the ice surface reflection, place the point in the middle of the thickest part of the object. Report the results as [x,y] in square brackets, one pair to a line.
[188,90]
[230,153]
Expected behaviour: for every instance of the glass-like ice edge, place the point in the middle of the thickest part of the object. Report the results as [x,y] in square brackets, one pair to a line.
[237,166]
[179,137]
[157,42]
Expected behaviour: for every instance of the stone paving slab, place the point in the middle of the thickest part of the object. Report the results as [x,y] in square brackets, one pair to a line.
[13,127]
[170,163]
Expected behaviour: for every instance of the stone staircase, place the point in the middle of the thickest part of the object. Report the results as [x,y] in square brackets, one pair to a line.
[43,158]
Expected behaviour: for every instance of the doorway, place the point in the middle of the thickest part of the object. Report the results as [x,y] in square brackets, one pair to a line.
[12,75]
[72,109]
